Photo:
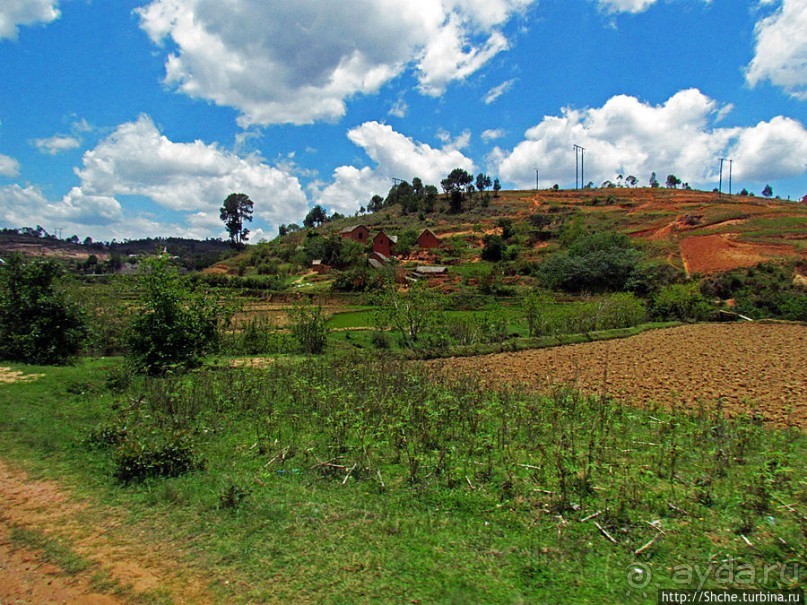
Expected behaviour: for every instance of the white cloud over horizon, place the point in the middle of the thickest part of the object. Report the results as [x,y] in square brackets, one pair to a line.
[780,55]
[240,55]
[14,13]
[190,179]
[395,156]
[626,136]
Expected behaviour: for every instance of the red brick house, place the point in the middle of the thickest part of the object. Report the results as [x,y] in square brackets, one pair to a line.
[383,243]
[427,239]
[359,233]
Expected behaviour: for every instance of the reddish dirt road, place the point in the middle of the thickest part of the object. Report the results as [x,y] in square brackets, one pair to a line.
[749,366]
[119,565]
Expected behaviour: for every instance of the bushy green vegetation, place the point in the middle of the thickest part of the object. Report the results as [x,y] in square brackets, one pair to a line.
[175,325]
[429,488]
[593,262]
[766,290]
[38,323]
[681,302]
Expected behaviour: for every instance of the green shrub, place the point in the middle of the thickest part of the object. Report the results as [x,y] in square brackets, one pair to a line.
[598,262]
[233,496]
[139,459]
[622,310]
[309,327]
[38,324]
[766,290]
[175,325]
[681,302]
[106,435]
[381,339]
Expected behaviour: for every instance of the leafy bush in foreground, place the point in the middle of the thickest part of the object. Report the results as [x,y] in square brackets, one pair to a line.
[37,323]
[136,460]
[176,325]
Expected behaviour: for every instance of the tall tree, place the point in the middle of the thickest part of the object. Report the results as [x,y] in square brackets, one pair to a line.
[457,180]
[483,181]
[237,208]
[315,217]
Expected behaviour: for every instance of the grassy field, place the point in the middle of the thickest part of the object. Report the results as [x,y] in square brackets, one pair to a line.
[343,480]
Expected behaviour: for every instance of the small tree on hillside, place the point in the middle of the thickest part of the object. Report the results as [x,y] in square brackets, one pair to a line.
[315,217]
[483,182]
[767,191]
[457,180]
[672,181]
[237,208]
[409,313]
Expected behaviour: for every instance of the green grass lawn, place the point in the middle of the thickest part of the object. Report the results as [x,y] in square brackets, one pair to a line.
[342,481]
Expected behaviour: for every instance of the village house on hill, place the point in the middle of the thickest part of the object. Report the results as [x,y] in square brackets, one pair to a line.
[359,233]
[383,244]
[427,239]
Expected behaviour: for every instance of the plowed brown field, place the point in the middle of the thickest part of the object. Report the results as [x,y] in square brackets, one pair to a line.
[749,366]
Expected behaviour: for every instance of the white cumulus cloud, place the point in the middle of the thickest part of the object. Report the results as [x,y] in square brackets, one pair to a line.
[770,150]
[395,156]
[625,6]
[781,49]
[57,144]
[300,62]
[492,134]
[14,13]
[497,91]
[626,136]
[137,159]
[629,6]
[191,179]
[76,212]
[9,166]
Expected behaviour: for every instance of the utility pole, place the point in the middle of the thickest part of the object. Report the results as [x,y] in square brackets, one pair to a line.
[720,182]
[730,166]
[582,167]
[536,179]
[579,166]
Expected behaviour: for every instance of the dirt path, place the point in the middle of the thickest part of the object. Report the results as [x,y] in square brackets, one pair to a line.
[747,364]
[56,549]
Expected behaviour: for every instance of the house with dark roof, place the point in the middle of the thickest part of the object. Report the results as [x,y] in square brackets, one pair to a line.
[359,233]
[427,239]
[384,244]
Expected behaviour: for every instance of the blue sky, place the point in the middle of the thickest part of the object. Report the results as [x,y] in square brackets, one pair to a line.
[128,118]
